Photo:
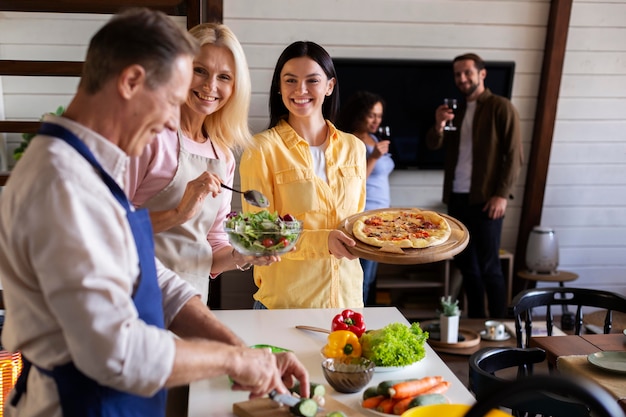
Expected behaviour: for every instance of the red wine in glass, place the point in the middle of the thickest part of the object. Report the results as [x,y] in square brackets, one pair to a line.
[384,133]
[451,103]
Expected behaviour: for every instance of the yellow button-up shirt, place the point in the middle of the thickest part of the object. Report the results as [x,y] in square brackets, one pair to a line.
[280,165]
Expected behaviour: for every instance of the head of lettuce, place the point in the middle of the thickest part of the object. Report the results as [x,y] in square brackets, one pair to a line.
[394,345]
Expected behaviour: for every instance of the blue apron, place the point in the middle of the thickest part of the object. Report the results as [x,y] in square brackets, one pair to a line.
[81,396]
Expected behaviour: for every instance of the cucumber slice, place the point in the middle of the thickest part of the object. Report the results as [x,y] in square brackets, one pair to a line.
[305,408]
[315,389]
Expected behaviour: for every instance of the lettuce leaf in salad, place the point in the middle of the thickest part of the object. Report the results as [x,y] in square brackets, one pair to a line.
[394,345]
[252,228]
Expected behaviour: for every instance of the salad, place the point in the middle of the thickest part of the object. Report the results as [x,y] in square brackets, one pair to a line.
[262,233]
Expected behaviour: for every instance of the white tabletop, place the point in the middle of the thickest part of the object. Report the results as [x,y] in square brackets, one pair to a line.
[277,327]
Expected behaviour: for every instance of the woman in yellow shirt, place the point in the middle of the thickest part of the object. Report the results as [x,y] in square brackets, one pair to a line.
[316,173]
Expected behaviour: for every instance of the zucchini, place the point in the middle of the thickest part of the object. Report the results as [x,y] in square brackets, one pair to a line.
[370,392]
[306,407]
[314,389]
[428,399]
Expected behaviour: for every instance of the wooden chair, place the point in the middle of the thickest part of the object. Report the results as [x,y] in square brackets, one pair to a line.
[196,11]
[486,366]
[526,301]
[533,389]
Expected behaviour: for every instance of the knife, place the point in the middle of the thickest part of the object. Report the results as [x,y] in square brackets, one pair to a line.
[287,399]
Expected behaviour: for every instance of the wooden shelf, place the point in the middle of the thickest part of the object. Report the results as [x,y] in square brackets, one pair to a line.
[406,284]
[415,289]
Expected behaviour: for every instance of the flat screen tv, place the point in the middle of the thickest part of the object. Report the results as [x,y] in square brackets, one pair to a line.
[412,90]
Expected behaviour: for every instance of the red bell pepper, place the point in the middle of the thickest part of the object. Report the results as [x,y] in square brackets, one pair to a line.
[351,321]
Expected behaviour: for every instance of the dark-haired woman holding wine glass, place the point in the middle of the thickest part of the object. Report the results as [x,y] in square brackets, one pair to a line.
[362,115]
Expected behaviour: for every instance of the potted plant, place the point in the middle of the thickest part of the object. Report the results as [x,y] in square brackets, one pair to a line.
[449,320]
[26,137]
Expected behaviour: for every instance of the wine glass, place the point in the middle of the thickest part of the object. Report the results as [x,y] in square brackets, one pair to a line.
[384,133]
[451,103]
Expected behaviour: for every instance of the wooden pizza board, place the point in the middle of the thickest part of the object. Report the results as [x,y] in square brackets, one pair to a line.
[264,407]
[458,240]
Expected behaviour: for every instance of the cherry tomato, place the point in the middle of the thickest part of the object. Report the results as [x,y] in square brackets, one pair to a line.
[268,242]
[284,241]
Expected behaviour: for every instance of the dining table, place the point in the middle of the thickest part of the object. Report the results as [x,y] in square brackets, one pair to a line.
[214,397]
[569,355]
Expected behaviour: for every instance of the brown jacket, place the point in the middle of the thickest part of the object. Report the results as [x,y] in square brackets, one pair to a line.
[496,149]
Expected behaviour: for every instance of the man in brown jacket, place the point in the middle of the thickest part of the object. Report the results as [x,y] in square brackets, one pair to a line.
[482,163]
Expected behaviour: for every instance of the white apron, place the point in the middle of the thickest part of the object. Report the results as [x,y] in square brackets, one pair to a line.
[184,248]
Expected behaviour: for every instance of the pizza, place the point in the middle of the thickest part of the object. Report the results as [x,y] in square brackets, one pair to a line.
[412,228]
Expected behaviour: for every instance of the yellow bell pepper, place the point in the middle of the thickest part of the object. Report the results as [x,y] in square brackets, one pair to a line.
[342,343]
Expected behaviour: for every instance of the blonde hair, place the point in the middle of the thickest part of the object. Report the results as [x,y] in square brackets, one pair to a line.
[228,127]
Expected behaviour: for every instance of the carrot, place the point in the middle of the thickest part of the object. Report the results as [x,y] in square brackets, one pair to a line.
[440,388]
[386,405]
[372,402]
[402,405]
[413,388]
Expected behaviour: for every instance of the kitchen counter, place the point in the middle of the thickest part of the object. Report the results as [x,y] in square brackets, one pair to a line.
[277,327]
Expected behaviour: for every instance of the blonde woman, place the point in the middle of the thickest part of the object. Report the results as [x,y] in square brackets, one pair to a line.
[179,174]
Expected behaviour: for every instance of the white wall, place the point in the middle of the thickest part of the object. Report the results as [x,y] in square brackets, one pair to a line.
[435,29]
[585,196]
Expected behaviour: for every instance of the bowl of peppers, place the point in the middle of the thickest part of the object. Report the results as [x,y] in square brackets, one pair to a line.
[344,368]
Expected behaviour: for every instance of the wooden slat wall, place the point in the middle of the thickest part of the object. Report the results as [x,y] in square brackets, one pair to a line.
[498,30]
[588,155]
[21,68]
[191,9]
[585,183]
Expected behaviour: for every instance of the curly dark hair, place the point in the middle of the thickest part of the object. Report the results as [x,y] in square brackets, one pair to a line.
[356,109]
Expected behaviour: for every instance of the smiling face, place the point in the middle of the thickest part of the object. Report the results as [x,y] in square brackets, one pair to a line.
[152,110]
[304,86]
[213,79]
[468,79]
[373,118]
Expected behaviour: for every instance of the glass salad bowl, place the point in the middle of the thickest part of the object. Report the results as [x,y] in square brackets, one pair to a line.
[262,233]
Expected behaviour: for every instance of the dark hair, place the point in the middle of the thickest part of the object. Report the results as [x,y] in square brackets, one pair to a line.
[356,109]
[478,61]
[316,53]
[139,36]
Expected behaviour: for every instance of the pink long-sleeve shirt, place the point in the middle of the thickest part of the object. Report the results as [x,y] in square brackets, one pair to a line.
[155,169]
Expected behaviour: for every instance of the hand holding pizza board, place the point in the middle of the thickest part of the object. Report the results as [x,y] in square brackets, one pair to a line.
[456,241]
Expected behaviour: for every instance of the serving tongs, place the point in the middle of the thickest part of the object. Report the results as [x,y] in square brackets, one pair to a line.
[254,197]
[313,329]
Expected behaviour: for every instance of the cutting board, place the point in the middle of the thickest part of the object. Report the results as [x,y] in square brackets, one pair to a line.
[264,407]
[458,240]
